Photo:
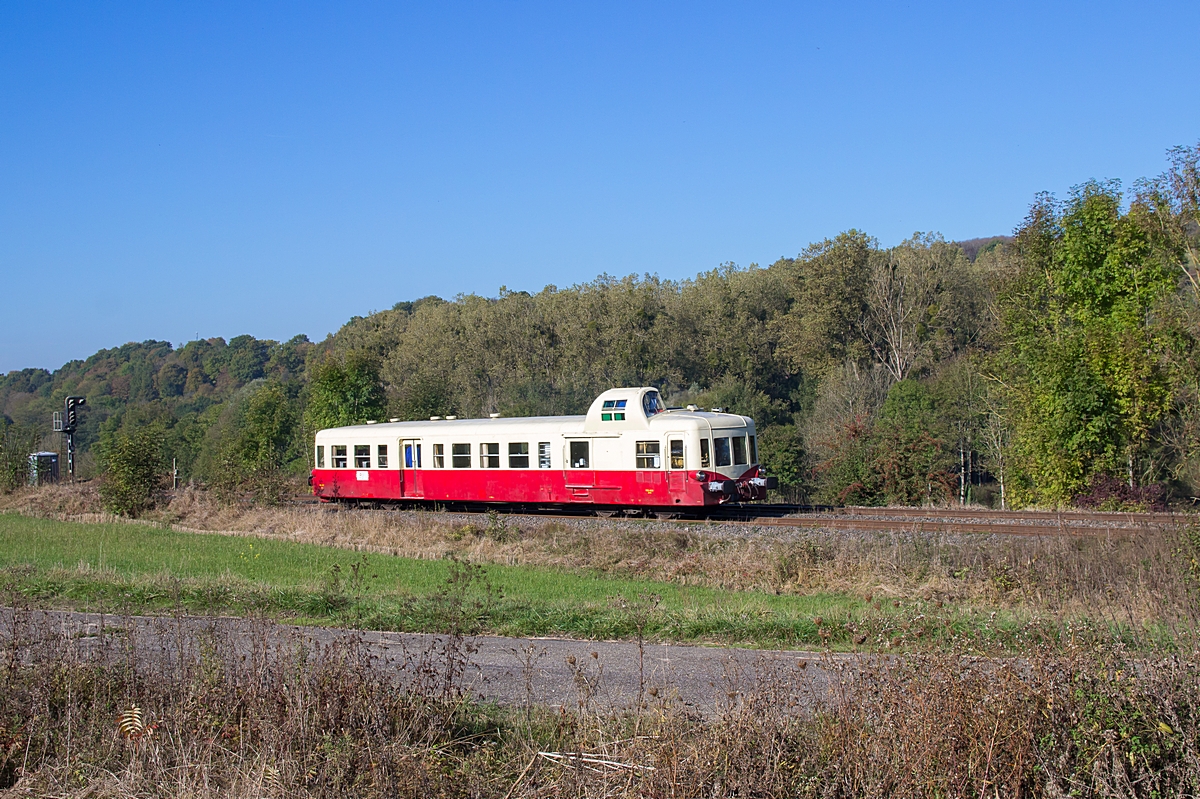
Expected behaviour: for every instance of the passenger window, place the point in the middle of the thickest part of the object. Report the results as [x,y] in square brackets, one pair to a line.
[704,453]
[460,456]
[753,450]
[518,455]
[339,456]
[439,456]
[676,454]
[489,456]
[543,454]
[648,454]
[381,456]
[579,454]
[321,456]
[721,447]
[362,456]
[613,411]
[739,450]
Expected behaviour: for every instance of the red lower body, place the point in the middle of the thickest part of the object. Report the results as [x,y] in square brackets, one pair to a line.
[526,487]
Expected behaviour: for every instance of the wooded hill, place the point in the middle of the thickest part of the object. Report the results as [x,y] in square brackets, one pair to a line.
[1056,366]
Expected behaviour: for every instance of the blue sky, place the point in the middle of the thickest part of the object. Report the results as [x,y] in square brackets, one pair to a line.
[172,170]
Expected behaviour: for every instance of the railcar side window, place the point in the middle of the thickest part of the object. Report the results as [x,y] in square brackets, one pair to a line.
[579,454]
[339,456]
[676,453]
[489,456]
[704,453]
[381,456]
[362,456]
[753,450]
[439,456]
[518,455]
[543,454]
[321,456]
[613,411]
[460,456]
[739,450]
[648,454]
[721,450]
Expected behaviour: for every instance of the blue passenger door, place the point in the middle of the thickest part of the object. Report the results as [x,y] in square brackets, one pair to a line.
[410,469]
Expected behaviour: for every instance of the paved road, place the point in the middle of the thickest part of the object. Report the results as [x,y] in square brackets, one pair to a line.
[513,671]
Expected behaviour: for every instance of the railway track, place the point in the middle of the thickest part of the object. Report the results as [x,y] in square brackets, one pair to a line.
[929,520]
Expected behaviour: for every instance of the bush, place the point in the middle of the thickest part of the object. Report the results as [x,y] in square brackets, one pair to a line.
[132,462]
[1109,493]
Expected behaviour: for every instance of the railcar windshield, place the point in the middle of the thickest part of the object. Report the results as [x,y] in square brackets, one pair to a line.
[652,403]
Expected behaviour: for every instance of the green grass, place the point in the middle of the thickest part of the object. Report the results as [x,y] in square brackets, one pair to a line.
[140,568]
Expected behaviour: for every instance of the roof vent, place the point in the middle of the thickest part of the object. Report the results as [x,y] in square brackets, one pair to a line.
[435,418]
[451,418]
[693,408]
[717,410]
[370,421]
[493,416]
[396,419]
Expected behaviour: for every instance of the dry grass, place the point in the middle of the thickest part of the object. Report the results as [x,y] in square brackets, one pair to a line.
[269,715]
[1119,577]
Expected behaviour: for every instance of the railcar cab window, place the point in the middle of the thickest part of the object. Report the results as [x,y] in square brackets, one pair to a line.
[362,456]
[518,455]
[339,456]
[460,456]
[651,404]
[721,450]
[613,411]
[648,455]
[579,454]
[439,456]
[676,453]
[704,461]
[739,450]
[489,456]
[320,456]
[753,450]
[543,454]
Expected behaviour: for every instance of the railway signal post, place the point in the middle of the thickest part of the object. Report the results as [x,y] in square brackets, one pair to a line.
[66,424]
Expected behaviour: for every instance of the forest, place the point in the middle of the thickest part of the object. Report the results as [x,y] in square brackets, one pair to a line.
[1056,366]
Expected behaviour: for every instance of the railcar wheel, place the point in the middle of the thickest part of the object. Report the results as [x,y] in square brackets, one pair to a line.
[609,513]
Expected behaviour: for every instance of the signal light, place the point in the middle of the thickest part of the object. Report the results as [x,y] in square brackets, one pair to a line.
[72,415]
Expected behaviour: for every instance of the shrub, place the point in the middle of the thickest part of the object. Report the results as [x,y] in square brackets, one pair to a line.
[132,463]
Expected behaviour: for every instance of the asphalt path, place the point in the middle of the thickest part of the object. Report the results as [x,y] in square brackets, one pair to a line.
[605,675]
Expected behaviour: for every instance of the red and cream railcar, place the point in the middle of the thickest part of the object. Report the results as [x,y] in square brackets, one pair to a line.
[627,452]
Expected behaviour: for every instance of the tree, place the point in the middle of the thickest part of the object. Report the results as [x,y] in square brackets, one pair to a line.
[1083,357]
[343,391]
[909,450]
[824,328]
[904,300]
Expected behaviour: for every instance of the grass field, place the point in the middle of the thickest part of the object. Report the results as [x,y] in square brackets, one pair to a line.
[121,566]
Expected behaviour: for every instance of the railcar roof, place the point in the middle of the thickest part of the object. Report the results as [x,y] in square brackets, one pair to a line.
[466,425]
[432,427]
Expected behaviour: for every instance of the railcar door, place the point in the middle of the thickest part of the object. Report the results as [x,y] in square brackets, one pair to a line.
[410,469]
[676,467]
[580,473]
